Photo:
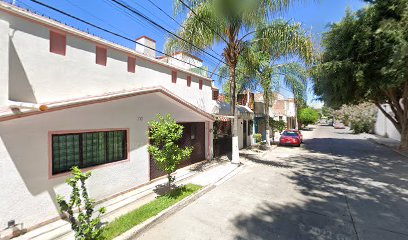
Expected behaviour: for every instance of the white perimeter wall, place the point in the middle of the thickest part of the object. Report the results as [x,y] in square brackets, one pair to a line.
[27,194]
[37,75]
[384,126]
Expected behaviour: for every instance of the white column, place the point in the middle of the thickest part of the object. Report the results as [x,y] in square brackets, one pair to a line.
[235,148]
[209,136]
[268,136]
[4,63]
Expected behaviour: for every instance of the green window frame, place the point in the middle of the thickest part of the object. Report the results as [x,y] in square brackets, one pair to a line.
[87,149]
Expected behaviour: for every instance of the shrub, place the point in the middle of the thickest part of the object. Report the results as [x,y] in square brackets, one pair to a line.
[277,125]
[164,134]
[362,117]
[86,226]
[258,137]
[308,116]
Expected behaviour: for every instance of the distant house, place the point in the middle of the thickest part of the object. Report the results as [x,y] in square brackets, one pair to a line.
[280,109]
[69,98]
[223,124]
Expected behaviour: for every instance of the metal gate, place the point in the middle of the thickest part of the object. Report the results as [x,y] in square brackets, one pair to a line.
[193,136]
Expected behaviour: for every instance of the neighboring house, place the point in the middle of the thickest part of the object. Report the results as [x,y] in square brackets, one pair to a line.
[69,98]
[291,113]
[222,125]
[384,127]
[280,109]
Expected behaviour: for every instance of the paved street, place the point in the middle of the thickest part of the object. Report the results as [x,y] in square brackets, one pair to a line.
[337,186]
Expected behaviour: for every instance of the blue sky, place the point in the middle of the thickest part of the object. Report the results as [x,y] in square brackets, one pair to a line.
[313,14]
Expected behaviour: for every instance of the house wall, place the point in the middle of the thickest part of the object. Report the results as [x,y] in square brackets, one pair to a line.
[4,61]
[188,61]
[384,127]
[37,75]
[28,194]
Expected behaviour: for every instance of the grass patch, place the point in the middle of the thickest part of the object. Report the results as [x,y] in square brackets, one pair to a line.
[141,214]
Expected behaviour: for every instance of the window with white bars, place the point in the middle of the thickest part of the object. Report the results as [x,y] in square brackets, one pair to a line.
[87,149]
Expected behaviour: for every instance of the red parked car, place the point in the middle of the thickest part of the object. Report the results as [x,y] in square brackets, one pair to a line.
[300,134]
[289,137]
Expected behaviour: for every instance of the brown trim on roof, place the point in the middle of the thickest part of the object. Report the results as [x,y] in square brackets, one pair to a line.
[144,36]
[181,52]
[107,98]
[57,26]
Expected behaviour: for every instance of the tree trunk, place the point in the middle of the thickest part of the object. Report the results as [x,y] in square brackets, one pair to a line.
[233,93]
[404,137]
[170,179]
[267,132]
[296,113]
[401,124]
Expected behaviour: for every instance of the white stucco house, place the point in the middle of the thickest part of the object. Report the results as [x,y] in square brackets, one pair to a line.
[69,98]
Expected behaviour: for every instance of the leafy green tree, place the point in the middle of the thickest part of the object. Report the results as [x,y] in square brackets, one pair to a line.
[308,116]
[365,58]
[164,133]
[80,208]
[327,111]
[277,125]
[229,22]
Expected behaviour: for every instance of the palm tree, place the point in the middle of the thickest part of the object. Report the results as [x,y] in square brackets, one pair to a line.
[295,78]
[226,21]
[261,60]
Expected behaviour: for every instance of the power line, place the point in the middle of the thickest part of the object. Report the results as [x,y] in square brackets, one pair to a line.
[92,15]
[153,14]
[133,17]
[174,20]
[113,33]
[165,13]
[130,16]
[130,8]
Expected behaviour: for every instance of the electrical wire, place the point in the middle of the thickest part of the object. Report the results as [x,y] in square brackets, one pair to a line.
[131,9]
[113,33]
[174,20]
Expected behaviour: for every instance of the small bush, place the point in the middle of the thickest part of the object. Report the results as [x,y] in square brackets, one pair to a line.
[258,137]
[362,117]
[164,135]
[277,125]
[86,226]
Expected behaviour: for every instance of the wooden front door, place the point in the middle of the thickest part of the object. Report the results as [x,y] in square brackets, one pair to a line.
[193,136]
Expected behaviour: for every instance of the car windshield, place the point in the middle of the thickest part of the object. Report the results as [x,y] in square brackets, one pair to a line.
[286,133]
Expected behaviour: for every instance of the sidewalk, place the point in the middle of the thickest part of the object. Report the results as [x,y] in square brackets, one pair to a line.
[388,142]
[203,174]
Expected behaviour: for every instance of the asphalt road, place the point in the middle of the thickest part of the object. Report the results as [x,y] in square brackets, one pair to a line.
[336,186]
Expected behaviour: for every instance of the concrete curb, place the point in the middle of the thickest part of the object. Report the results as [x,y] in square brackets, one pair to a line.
[138,230]
[150,223]
[385,145]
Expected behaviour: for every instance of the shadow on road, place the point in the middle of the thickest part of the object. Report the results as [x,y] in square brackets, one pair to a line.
[271,163]
[347,186]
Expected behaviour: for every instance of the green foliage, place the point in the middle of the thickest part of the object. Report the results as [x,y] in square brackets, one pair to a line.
[164,133]
[277,125]
[225,21]
[141,214]
[308,116]
[365,58]
[327,112]
[258,137]
[361,117]
[80,208]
